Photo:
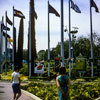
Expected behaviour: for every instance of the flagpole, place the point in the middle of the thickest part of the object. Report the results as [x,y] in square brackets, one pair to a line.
[48,41]
[6,46]
[69,41]
[30,41]
[91,37]
[2,44]
[13,43]
[1,47]
[62,35]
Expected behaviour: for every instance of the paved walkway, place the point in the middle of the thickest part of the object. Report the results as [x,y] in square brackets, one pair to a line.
[6,92]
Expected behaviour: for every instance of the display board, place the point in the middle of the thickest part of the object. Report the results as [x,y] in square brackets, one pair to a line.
[80,63]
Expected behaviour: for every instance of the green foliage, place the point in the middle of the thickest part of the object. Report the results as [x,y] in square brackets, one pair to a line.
[74,73]
[24,69]
[52,73]
[44,91]
[88,71]
[41,54]
[78,91]
[87,91]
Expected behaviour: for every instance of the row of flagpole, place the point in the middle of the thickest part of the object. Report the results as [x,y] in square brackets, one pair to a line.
[5,27]
[52,10]
[72,5]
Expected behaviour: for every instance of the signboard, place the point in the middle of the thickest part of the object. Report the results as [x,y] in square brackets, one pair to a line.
[57,64]
[39,68]
[80,64]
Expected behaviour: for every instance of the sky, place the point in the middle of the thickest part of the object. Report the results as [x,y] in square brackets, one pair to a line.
[82,21]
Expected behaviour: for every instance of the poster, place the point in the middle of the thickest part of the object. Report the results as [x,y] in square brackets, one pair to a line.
[39,68]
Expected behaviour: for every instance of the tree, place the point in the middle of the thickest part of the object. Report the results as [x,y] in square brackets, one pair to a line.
[33,40]
[96,38]
[14,46]
[41,54]
[25,54]
[82,46]
[66,49]
[20,45]
[53,53]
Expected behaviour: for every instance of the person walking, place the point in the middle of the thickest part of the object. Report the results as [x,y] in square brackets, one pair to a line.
[63,84]
[16,84]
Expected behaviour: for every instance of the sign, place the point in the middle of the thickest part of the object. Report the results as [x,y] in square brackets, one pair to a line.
[80,63]
[57,64]
[39,68]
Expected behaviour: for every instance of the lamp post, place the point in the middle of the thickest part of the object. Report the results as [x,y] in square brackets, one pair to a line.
[69,34]
[72,55]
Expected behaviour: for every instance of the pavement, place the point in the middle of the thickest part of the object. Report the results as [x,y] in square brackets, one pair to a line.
[6,93]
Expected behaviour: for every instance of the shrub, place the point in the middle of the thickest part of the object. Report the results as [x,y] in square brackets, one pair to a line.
[24,69]
[78,91]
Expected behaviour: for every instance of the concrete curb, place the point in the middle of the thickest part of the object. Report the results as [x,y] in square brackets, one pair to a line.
[31,95]
[98,98]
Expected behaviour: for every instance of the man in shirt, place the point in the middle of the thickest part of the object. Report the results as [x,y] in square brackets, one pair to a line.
[16,84]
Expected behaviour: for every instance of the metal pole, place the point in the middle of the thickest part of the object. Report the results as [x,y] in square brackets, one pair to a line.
[6,46]
[1,37]
[13,43]
[72,56]
[2,44]
[30,41]
[69,41]
[62,35]
[48,42]
[91,40]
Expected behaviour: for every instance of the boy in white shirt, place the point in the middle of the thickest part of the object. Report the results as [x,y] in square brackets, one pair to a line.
[16,84]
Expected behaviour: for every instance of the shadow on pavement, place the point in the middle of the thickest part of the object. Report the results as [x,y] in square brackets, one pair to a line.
[2,92]
[1,86]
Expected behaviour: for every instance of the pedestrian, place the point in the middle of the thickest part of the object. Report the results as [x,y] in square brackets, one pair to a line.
[63,84]
[16,84]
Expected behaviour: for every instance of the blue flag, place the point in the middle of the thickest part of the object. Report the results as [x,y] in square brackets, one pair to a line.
[75,7]
[5,28]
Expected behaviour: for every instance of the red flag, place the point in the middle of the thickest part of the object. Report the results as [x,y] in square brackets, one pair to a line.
[93,4]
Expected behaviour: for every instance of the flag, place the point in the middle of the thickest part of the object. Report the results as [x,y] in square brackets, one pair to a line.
[93,4]
[52,10]
[8,36]
[18,13]
[75,7]
[10,40]
[4,27]
[8,21]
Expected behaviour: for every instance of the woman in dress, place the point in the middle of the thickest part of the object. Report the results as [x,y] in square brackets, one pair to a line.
[63,84]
